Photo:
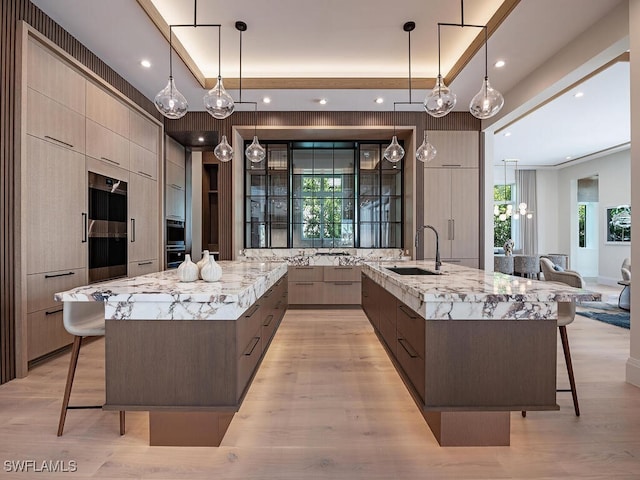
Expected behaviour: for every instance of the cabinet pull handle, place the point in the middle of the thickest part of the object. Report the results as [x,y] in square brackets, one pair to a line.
[410,351]
[342,283]
[304,283]
[304,268]
[84,228]
[253,310]
[451,165]
[54,312]
[59,141]
[407,312]
[268,294]
[453,229]
[177,187]
[145,174]
[144,263]
[60,275]
[109,160]
[133,230]
[252,347]
[277,307]
[343,268]
[270,317]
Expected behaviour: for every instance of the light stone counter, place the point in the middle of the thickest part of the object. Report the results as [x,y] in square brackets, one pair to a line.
[468,293]
[306,257]
[161,296]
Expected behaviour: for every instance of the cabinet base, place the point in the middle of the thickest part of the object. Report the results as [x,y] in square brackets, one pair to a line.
[470,429]
[188,429]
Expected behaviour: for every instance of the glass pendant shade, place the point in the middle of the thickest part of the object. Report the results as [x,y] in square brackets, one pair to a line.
[441,100]
[487,102]
[255,152]
[394,152]
[218,102]
[223,151]
[426,152]
[170,102]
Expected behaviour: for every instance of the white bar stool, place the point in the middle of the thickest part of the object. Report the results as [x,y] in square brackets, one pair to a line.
[81,319]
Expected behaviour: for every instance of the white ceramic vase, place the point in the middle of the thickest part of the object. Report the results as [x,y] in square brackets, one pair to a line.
[203,261]
[211,272]
[187,271]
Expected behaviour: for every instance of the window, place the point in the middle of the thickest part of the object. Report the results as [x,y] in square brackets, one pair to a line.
[315,194]
[582,225]
[502,222]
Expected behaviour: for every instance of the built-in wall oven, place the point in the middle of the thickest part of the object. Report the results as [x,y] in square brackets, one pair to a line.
[175,243]
[107,229]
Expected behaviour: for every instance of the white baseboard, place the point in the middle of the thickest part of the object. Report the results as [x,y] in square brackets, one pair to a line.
[633,371]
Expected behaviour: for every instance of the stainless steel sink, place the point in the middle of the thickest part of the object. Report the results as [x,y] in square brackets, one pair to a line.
[412,271]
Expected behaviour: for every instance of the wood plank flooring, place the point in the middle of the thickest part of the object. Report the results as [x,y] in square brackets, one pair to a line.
[327,404]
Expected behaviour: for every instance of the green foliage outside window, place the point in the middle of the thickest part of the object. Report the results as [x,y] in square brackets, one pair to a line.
[501,228]
[322,214]
[582,226]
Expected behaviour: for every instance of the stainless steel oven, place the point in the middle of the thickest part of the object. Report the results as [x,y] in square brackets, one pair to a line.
[175,255]
[107,228]
[176,245]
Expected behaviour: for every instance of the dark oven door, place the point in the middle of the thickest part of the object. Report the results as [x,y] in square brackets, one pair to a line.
[175,233]
[175,256]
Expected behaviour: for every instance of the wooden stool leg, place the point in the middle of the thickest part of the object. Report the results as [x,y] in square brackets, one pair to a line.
[75,352]
[567,358]
[121,422]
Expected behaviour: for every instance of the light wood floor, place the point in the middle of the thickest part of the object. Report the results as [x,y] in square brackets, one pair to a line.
[327,404]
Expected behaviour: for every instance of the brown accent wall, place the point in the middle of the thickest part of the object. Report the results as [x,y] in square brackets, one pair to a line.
[203,122]
[11,12]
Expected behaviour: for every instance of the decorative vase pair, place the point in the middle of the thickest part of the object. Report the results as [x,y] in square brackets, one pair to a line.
[207,269]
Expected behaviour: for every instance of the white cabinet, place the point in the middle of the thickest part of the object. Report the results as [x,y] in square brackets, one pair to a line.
[142,161]
[175,180]
[106,145]
[143,217]
[106,110]
[452,198]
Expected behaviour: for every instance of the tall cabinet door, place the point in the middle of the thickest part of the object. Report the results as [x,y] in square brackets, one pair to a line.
[56,192]
[143,218]
[465,213]
[437,210]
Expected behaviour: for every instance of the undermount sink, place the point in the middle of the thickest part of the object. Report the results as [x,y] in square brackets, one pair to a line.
[412,271]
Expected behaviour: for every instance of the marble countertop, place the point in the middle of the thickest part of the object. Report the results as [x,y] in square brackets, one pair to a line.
[162,296]
[466,293]
[321,256]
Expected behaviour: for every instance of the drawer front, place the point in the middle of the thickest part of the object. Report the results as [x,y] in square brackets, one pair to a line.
[388,332]
[249,354]
[143,161]
[306,293]
[370,301]
[387,306]
[105,145]
[42,286]
[412,327]
[143,267]
[248,324]
[305,274]
[342,293]
[50,121]
[270,322]
[338,274]
[45,332]
[412,363]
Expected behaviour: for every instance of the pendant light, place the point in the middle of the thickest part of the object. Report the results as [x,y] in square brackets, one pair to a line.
[217,101]
[521,208]
[255,152]
[169,101]
[441,100]
[223,150]
[426,151]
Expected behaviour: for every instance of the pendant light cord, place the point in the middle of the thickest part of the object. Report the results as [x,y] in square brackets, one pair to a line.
[240,93]
[409,65]
[170,52]
[219,57]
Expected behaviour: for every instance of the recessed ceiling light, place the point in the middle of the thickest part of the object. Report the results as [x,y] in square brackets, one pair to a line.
[379,100]
[507,134]
[322,101]
[266,100]
[499,64]
[201,139]
[579,94]
[145,63]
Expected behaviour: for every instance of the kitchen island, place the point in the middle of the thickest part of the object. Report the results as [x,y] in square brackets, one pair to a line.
[470,345]
[187,352]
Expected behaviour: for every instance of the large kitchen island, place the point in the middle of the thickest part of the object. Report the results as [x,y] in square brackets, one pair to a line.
[471,346]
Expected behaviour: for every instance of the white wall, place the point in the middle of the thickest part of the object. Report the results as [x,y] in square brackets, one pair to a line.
[557,211]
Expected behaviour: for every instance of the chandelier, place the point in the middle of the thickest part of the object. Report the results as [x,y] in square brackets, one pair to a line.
[521,208]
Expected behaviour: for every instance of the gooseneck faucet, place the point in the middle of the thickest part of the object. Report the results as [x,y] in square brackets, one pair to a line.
[438,262]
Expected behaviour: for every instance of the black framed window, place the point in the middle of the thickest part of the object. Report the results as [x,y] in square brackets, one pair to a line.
[323,194]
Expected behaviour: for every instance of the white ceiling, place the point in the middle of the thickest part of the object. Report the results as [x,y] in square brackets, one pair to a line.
[357,39]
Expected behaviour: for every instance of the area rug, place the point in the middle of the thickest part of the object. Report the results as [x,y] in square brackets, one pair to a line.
[604,312]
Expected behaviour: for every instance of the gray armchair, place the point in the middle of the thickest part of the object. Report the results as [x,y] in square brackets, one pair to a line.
[625,269]
[624,300]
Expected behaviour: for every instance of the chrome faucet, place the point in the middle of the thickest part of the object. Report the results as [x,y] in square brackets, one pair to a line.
[438,262]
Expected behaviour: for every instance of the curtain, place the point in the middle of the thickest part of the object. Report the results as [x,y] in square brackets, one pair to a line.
[526,192]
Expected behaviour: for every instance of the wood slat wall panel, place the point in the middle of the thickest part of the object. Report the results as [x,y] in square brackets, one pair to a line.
[11,12]
[203,122]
